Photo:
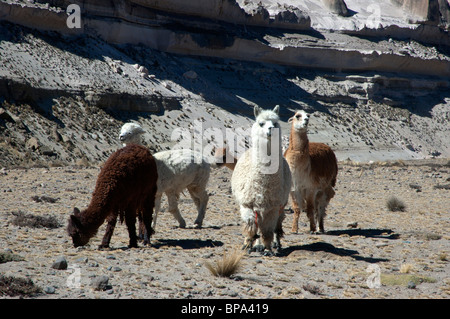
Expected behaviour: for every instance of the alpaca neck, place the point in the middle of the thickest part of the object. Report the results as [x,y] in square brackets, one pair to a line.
[95,214]
[266,154]
[134,140]
[298,142]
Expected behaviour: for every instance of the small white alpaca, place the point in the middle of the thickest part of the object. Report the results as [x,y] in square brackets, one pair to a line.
[130,133]
[314,169]
[177,170]
[261,182]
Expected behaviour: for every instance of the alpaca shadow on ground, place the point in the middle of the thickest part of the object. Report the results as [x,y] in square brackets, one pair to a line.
[187,243]
[372,233]
[329,248]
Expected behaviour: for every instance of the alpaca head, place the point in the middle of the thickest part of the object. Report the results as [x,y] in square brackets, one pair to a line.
[75,229]
[300,121]
[130,133]
[266,139]
[266,122]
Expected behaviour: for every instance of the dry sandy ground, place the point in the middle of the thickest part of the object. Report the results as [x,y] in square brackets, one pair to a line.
[410,249]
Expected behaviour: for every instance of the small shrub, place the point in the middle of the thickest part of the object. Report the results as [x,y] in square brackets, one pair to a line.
[7,257]
[29,220]
[312,289]
[12,286]
[227,266]
[395,205]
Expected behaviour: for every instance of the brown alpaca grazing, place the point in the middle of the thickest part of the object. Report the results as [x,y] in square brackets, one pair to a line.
[314,170]
[125,186]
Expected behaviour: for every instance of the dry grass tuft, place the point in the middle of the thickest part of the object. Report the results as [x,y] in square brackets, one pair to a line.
[227,266]
[406,268]
[395,205]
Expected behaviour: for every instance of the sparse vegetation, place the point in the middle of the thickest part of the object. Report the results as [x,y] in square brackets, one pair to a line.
[7,257]
[443,256]
[404,279]
[28,220]
[12,286]
[312,289]
[395,205]
[227,266]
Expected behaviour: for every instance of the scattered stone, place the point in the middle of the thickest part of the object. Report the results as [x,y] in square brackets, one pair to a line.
[49,290]
[82,260]
[352,225]
[417,187]
[100,282]
[60,264]
[5,115]
[411,285]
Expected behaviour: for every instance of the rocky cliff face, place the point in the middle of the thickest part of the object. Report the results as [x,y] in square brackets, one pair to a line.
[378,88]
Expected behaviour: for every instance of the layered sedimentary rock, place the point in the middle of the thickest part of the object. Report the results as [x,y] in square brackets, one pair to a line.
[221,28]
[427,11]
[337,6]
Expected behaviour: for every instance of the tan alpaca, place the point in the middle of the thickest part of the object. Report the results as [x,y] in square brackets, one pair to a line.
[314,170]
[223,157]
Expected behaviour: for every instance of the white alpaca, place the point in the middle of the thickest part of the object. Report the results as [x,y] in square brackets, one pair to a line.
[261,182]
[177,170]
[314,170]
[130,133]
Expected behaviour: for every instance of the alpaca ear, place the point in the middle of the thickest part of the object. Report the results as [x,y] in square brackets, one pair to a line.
[75,221]
[256,110]
[276,109]
[76,211]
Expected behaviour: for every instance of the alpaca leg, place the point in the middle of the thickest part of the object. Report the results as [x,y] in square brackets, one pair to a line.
[157,208]
[268,226]
[111,224]
[311,214]
[279,233]
[297,210]
[250,229]
[130,220]
[319,209]
[322,206]
[147,219]
[141,227]
[200,198]
[173,209]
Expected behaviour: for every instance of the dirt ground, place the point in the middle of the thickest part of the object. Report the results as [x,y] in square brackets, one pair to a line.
[408,251]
